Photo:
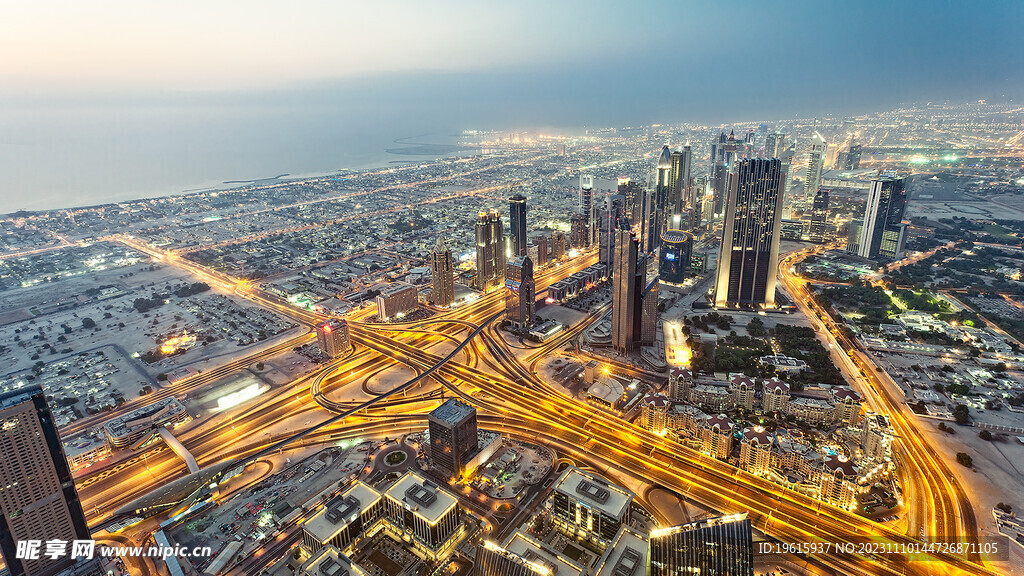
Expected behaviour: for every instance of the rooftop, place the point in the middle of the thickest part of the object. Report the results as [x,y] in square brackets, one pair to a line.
[529,549]
[626,556]
[422,497]
[595,491]
[341,511]
[453,411]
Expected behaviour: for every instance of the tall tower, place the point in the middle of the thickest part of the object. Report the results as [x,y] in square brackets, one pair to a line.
[453,436]
[490,250]
[749,257]
[333,338]
[662,198]
[853,157]
[626,293]
[442,272]
[40,502]
[520,292]
[684,182]
[612,219]
[579,236]
[819,217]
[881,233]
[517,224]
[774,144]
[815,165]
[587,204]
[719,176]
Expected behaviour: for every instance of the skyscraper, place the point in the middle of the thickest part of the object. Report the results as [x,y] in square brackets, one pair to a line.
[774,144]
[820,231]
[579,236]
[587,204]
[442,271]
[749,257]
[718,175]
[490,250]
[649,314]
[333,338]
[612,220]
[662,199]
[649,222]
[520,292]
[684,181]
[453,436]
[720,546]
[40,501]
[815,165]
[517,224]
[627,289]
[852,158]
[881,233]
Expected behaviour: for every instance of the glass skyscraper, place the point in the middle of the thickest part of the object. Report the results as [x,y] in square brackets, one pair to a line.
[720,546]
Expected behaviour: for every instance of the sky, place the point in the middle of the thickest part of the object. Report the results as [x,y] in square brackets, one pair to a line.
[593,61]
[108,100]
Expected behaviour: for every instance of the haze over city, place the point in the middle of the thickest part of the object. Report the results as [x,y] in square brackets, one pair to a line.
[583,289]
[117,100]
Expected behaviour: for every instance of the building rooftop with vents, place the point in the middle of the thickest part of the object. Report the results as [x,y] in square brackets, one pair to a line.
[594,491]
[422,497]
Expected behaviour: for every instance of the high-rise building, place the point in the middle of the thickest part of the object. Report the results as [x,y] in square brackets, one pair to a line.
[397,298]
[517,224]
[442,271]
[674,258]
[588,507]
[540,241]
[820,230]
[632,197]
[587,204]
[453,436]
[720,546]
[649,314]
[749,257]
[663,200]
[490,250]
[627,291]
[40,501]
[882,234]
[579,236]
[852,159]
[520,296]
[649,223]
[815,165]
[424,516]
[612,220]
[558,245]
[680,180]
[332,337]
[774,144]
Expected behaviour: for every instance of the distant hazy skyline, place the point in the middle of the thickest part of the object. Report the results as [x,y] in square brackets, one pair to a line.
[118,99]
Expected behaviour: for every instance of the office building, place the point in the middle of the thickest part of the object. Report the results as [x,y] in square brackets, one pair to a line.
[344,520]
[539,244]
[332,336]
[632,198]
[627,289]
[442,271]
[453,436]
[579,236]
[749,257]
[720,546]
[40,501]
[649,314]
[490,251]
[815,165]
[327,562]
[587,507]
[423,515]
[681,180]
[674,258]
[587,206]
[650,222]
[396,299]
[612,220]
[774,144]
[850,160]
[625,556]
[820,229]
[662,197]
[520,295]
[557,245]
[517,225]
[882,233]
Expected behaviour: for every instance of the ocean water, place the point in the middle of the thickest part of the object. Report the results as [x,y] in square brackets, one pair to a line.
[58,155]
